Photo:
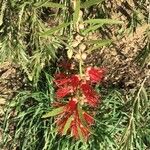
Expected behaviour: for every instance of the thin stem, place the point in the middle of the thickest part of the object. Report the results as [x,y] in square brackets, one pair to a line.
[80,65]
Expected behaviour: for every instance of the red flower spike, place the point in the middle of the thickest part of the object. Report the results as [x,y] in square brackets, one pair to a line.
[61,79]
[61,124]
[70,120]
[89,119]
[91,96]
[74,81]
[95,74]
[72,105]
[62,118]
[62,92]
[85,132]
[74,130]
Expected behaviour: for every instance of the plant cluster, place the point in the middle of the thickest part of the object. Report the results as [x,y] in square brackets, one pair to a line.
[77,90]
[37,35]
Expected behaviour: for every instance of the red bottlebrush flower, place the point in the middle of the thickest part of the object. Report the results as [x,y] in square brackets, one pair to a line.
[70,113]
[69,110]
[74,81]
[61,79]
[91,96]
[76,126]
[89,119]
[71,106]
[85,132]
[61,123]
[62,92]
[95,74]
[70,117]
[74,129]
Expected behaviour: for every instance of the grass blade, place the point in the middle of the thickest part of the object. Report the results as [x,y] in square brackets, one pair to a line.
[49,4]
[103,21]
[99,43]
[90,3]
[102,42]
[54,112]
[92,28]
[76,12]
[67,125]
[53,30]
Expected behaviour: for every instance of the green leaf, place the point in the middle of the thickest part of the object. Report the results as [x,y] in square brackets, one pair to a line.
[3,7]
[92,28]
[144,93]
[90,3]
[49,4]
[76,12]
[80,134]
[99,43]
[103,21]
[82,119]
[54,112]
[53,30]
[67,125]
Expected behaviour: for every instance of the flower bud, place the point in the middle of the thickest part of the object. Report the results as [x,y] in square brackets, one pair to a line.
[80,14]
[75,43]
[77,56]
[79,38]
[82,47]
[81,26]
[84,56]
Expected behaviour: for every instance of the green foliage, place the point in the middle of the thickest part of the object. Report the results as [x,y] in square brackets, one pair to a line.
[90,3]
[98,44]
[49,4]
[28,39]
[67,125]
[76,11]
[21,40]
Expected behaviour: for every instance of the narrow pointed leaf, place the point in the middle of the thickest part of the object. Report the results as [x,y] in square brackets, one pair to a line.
[80,134]
[92,28]
[82,119]
[3,7]
[54,112]
[101,44]
[67,126]
[144,93]
[90,3]
[103,21]
[53,30]
[76,12]
[49,4]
